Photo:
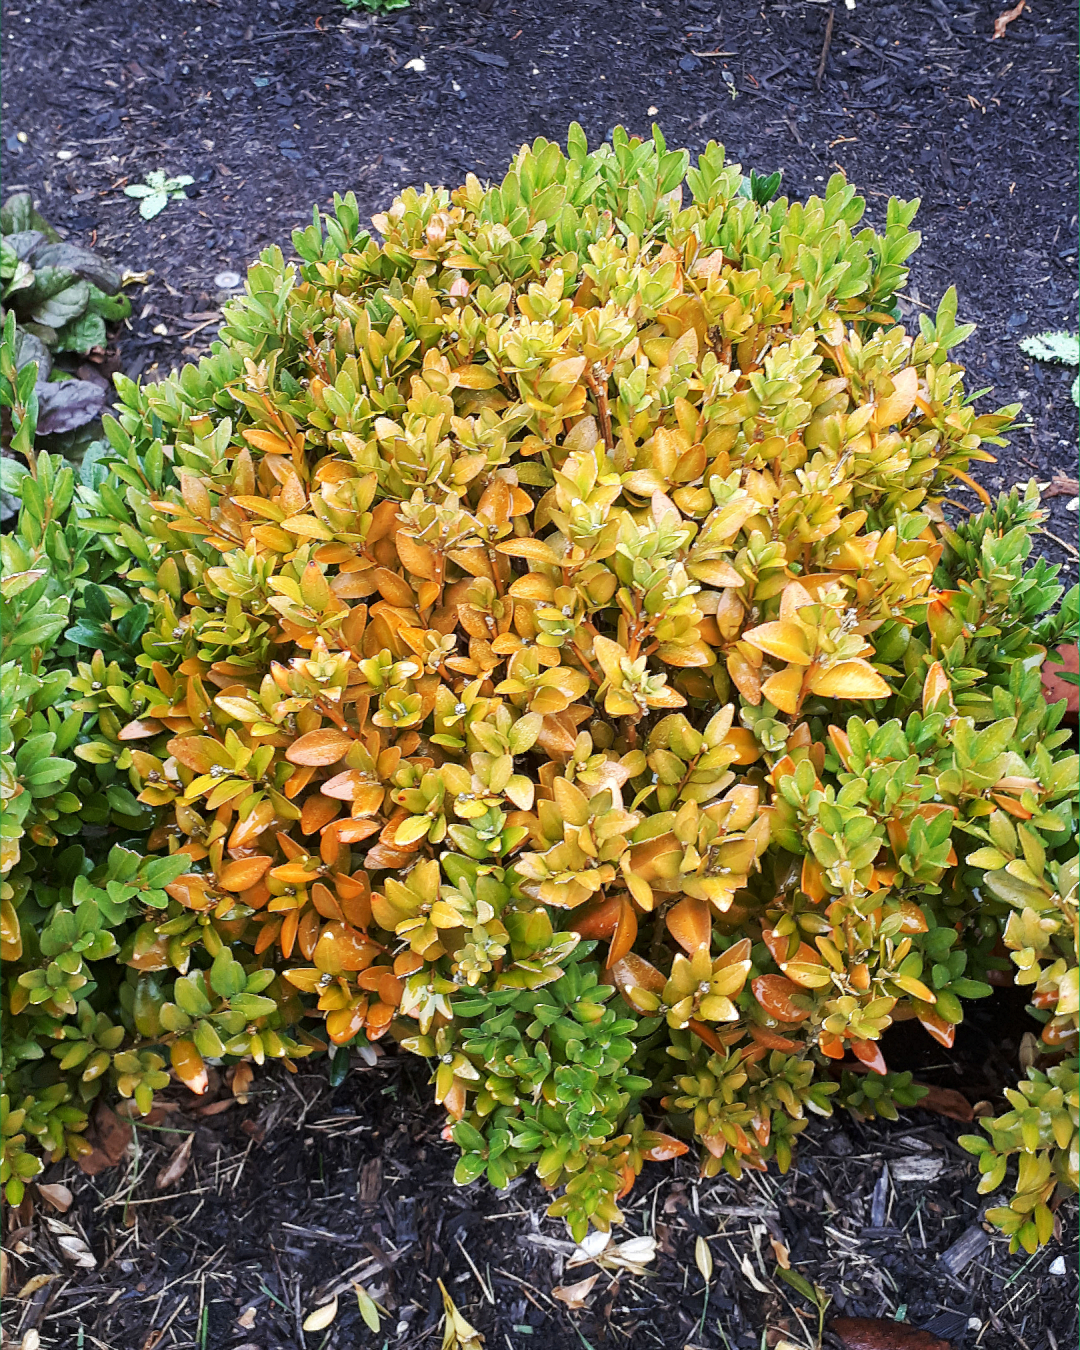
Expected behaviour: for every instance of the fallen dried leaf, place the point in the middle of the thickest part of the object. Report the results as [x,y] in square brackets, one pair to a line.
[1006,17]
[590,1248]
[75,1249]
[1062,486]
[159,1112]
[177,1165]
[242,1078]
[574,1295]
[748,1270]
[56,1194]
[246,1320]
[458,1333]
[876,1333]
[33,1284]
[110,1137]
[216,1108]
[321,1318]
[633,1256]
[780,1251]
[947,1102]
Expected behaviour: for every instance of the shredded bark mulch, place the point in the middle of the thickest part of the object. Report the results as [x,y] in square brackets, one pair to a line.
[225,1225]
[275,1206]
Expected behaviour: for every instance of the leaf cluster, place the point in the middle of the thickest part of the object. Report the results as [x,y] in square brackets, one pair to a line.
[61,296]
[538,636]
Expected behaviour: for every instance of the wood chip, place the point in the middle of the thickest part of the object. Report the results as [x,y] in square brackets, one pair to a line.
[916,1169]
[370,1187]
[965,1249]
[1006,17]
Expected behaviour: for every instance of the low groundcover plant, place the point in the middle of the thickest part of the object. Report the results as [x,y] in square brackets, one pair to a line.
[539,637]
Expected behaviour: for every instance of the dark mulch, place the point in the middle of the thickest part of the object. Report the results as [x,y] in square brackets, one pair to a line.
[289,1199]
[274,105]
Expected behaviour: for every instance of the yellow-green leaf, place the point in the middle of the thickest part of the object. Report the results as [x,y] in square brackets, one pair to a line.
[783,639]
[321,1318]
[849,679]
[368,1309]
[703,1259]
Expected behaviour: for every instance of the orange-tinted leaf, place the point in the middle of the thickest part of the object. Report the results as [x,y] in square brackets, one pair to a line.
[341,948]
[188,1066]
[625,932]
[914,921]
[935,686]
[842,745]
[943,1032]
[812,879]
[784,689]
[772,1040]
[419,559]
[849,679]
[776,995]
[634,972]
[343,1024]
[317,812]
[598,918]
[895,406]
[869,1053]
[784,640]
[319,748]
[747,750]
[243,874]
[138,729]
[708,1035]
[663,1147]
[533,550]
[690,924]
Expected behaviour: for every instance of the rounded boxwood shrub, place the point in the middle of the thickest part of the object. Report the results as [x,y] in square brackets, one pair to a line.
[555,653]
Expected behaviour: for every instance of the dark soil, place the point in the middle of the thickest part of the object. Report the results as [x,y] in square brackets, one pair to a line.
[290,1198]
[272,106]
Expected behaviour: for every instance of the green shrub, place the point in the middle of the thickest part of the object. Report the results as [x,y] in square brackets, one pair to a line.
[556,656]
